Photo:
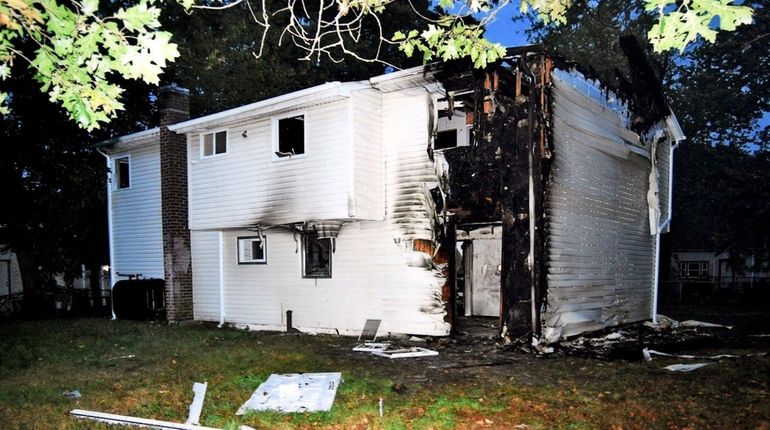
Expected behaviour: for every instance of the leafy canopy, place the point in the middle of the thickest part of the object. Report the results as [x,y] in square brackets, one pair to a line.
[77,48]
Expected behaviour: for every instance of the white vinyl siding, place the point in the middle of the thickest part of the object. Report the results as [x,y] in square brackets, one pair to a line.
[136,217]
[205,268]
[600,251]
[247,187]
[370,280]
[408,168]
[369,161]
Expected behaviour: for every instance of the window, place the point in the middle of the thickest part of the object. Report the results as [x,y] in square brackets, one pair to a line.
[214,143]
[122,173]
[290,136]
[445,139]
[252,250]
[318,257]
[694,269]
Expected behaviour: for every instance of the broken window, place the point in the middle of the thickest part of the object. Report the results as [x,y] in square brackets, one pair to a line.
[452,130]
[694,269]
[445,139]
[252,250]
[318,257]
[290,136]
[122,173]
[214,143]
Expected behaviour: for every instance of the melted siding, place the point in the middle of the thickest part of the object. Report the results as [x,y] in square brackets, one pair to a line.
[407,166]
[600,251]
[137,231]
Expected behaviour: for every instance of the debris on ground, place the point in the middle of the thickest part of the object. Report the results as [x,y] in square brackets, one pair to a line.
[371,347]
[369,332]
[194,416]
[693,323]
[386,349]
[74,394]
[686,367]
[192,423]
[294,392]
[630,342]
[122,357]
[124,420]
[648,353]
[410,352]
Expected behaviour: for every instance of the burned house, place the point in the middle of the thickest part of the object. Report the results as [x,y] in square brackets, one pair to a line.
[365,200]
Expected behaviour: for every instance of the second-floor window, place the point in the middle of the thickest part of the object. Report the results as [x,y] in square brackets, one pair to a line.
[290,136]
[214,143]
[122,173]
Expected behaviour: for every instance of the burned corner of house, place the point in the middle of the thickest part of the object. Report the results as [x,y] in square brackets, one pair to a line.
[489,145]
[552,190]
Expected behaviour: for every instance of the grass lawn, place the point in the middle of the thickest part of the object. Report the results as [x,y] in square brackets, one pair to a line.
[39,360]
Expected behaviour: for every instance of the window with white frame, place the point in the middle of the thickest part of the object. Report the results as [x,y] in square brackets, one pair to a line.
[317,257]
[214,143]
[694,269]
[252,250]
[289,136]
[122,173]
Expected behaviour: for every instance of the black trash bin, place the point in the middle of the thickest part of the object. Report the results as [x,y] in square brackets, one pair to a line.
[139,299]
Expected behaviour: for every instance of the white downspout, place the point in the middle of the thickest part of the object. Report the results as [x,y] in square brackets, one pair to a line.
[663,226]
[221,281]
[109,229]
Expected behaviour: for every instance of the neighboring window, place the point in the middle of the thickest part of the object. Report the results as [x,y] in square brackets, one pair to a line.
[214,143]
[694,269]
[318,257]
[445,139]
[252,250]
[122,175]
[291,136]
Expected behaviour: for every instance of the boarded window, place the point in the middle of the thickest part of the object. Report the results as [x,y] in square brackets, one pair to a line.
[291,136]
[252,250]
[122,173]
[214,143]
[318,257]
[445,139]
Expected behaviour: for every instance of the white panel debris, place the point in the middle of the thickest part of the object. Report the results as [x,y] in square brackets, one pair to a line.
[303,392]
[686,367]
[134,421]
[412,352]
[196,406]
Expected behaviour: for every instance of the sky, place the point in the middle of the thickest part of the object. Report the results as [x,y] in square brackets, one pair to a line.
[505,31]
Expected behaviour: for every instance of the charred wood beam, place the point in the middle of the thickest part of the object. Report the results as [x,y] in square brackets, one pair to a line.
[510,130]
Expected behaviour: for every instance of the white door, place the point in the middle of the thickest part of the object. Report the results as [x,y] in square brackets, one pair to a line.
[484,274]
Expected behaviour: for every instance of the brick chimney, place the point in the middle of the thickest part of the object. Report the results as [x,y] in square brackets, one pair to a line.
[174,106]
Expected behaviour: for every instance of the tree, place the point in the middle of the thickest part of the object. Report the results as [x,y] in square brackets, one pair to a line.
[77,48]
[218,50]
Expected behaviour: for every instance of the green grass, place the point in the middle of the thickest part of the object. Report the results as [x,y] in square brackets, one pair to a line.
[39,360]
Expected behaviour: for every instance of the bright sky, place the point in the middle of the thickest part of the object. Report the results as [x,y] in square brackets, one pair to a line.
[505,31]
